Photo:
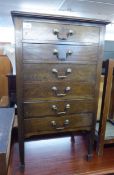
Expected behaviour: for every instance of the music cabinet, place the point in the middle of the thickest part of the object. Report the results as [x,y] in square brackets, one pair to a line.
[58,67]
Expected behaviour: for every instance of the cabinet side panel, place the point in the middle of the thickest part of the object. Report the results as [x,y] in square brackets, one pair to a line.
[19,84]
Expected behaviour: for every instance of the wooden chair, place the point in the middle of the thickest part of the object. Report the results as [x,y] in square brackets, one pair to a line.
[5,68]
[105,128]
[4,101]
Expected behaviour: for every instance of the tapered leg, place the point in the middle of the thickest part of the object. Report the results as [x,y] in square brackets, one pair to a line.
[90,146]
[72,138]
[21,137]
[21,152]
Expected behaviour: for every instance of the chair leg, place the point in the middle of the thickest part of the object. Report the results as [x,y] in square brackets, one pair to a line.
[100,144]
[100,149]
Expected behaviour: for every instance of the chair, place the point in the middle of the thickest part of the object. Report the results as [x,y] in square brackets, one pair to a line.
[5,68]
[105,128]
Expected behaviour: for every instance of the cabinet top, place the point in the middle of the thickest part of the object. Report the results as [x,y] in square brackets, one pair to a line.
[58,16]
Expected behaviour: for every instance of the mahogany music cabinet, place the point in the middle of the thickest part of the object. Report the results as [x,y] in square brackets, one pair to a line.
[58,68]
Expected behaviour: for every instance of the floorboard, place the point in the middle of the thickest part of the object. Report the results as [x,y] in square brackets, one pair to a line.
[60,157]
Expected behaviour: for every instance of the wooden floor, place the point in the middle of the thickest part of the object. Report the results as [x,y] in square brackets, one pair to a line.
[60,157]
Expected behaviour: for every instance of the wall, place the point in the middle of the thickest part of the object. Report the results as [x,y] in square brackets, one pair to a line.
[109,50]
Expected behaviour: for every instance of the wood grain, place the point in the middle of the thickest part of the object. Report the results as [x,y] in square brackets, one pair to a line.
[5,68]
[39,126]
[38,30]
[43,72]
[37,37]
[44,156]
[42,108]
[34,52]
[38,91]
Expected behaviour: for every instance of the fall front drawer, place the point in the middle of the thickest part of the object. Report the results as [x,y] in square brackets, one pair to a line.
[51,72]
[44,31]
[59,52]
[58,90]
[67,123]
[57,108]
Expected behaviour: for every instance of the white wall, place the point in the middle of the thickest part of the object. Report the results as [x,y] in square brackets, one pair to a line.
[109,32]
[7,34]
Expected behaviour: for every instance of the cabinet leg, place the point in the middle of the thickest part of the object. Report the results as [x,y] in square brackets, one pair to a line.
[21,153]
[90,146]
[72,138]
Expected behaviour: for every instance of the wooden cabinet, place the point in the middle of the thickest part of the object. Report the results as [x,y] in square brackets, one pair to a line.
[58,60]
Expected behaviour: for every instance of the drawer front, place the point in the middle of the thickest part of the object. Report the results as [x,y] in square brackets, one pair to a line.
[54,124]
[57,52]
[60,32]
[59,72]
[57,90]
[57,108]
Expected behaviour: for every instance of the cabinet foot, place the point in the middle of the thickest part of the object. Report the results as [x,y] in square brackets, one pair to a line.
[72,138]
[89,157]
[22,167]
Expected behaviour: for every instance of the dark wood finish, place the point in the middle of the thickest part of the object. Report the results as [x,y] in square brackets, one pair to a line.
[75,122]
[19,91]
[56,90]
[106,109]
[36,37]
[58,52]
[44,72]
[11,89]
[6,124]
[38,31]
[81,90]
[46,108]
[59,17]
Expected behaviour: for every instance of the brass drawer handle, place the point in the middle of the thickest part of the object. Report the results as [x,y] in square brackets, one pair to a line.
[63,36]
[55,71]
[55,89]
[62,55]
[54,107]
[54,124]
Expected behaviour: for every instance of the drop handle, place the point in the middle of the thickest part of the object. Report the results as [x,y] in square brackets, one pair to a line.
[68,53]
[54,108]
[56,31]
[55,52]
[67,72]
[66,90]
[70,33]
[65,124]
[62,55]
[63,35]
